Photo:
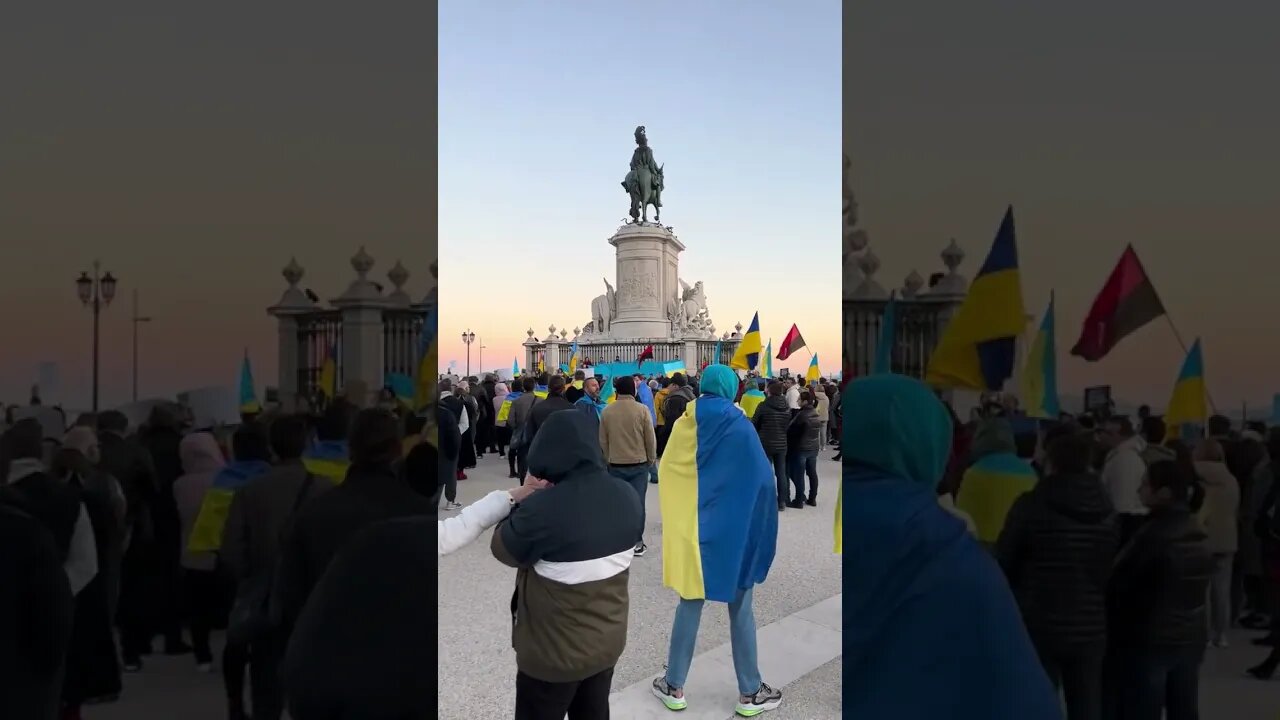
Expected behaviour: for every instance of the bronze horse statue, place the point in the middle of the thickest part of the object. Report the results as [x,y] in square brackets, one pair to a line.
[645,188]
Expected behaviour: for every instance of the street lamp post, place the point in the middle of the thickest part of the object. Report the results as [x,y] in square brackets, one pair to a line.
[480,361]
[136,320]
[96,292]
[468,337]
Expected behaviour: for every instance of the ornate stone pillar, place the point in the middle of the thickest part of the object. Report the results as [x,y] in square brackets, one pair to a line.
[362,329]
[293,302]
[530,352]
[648,269]
[552,350]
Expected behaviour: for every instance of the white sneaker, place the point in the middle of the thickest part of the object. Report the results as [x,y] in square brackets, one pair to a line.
[453,506]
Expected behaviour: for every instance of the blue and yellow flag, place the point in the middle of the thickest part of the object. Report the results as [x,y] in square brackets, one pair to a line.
[1187,407]
[248,394]
[329,373]
[403,387]
[206,531]
[1040,374]
[751,400]
[768,360]
[888,337]
[813,374]
[515,368]
[977,348]
[719,503]
[748,353]
[840,519]
[573,357]
[424,391]
[328,459]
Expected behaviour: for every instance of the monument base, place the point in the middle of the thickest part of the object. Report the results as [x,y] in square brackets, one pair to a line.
[648,266]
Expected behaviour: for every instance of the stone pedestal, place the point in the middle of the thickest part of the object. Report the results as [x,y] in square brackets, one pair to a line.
[292,304]
[362,306]
[648,257]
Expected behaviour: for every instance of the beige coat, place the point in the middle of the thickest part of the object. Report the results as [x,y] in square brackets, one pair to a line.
[1220,513]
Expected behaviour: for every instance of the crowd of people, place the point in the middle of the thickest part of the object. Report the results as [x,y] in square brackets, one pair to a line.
[118,537]
[727,454]
[1095,558]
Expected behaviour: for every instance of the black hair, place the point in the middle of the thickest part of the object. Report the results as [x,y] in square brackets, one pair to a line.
[625,385]
[249,442]
[375,438]
[24,441]
[288,435]
[529,384]
[113,421]
[1068,449]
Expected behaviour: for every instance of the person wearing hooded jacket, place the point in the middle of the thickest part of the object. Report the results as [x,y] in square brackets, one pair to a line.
[573,566]
[1056,549]
[917,569]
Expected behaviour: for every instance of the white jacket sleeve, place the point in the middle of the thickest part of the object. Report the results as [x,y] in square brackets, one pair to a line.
[1122,477]
[456,532]
[82,557]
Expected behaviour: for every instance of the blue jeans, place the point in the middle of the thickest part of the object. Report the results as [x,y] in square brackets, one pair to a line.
[802,462]
[779,461]
[742,637]
[637,476]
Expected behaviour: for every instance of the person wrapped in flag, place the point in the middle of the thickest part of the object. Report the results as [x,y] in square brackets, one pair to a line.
[719,533]
[913,566]
[251,458]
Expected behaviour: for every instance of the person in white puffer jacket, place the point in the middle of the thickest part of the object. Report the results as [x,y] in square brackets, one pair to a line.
[458,531]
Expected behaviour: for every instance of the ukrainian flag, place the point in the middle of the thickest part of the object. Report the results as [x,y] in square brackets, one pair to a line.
[403,387]
[977,349]
[515,369]
[1040,375]
[751,400]
[813,374]
[248,394]
[768,359]
[425,384]
[719,503]
[329,373]
[1187,406]
[328,460]
[573,357]
[504,410]
[748,353]
[206,532]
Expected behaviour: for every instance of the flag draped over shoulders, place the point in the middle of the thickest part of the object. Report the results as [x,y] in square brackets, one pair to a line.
[328,460]
[719,507]
[206,533]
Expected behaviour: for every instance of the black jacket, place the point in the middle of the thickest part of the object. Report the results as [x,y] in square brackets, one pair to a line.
[1159,586]
[361,649]
[570,619]
[543,408]
[324,524]
[1057,547]
[772,419]
[35,617]
[803,432]
[130,465]
[54,503]
[161,445]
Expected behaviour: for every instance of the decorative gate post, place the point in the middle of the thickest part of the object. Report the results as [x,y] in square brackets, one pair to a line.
[293,302]
[362,306]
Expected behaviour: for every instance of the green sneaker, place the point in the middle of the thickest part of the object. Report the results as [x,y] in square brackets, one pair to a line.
[764,699]
[667,695]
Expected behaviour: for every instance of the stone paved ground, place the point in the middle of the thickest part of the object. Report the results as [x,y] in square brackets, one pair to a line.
[477,664]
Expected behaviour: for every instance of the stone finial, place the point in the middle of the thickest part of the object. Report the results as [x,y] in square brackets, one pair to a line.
[725,336]
[398,276]
[564,334]
[953,283]
[737,330]
[293,272]
[529,332]
[551,330]
[869,288]
[577,331]
[912,284]
[952,256]
[362,263]
[294,299]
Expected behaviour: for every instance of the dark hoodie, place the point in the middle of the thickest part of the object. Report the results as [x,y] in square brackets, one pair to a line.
[1057,547]
[572,544]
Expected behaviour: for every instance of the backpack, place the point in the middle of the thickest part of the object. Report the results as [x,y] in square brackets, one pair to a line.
[674,407]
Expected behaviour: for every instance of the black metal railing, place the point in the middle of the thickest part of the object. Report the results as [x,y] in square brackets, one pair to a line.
[401,341]
[319,337]
[918,327]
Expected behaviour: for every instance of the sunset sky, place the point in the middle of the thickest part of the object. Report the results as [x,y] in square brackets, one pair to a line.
[194,149]
[537,109]
[1103,124]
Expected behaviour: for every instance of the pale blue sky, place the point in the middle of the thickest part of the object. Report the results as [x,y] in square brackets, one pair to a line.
[538,103]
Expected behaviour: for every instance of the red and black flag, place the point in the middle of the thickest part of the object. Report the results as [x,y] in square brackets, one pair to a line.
[1127,302]
[646,354]
[791,343]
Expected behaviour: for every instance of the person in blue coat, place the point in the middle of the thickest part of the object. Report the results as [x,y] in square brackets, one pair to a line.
[931,629]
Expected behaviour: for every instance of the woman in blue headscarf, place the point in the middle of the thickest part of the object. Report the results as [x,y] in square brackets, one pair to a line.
[931,629]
